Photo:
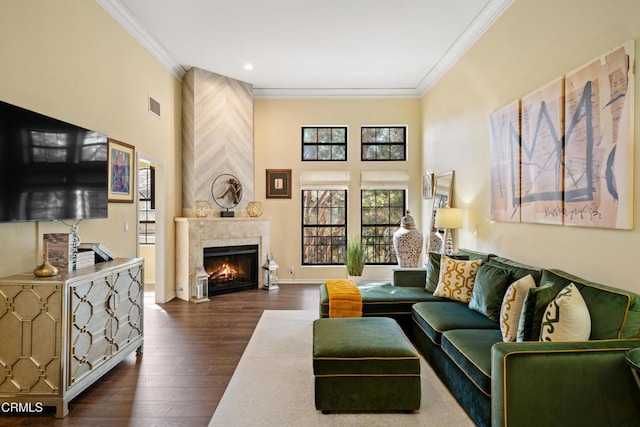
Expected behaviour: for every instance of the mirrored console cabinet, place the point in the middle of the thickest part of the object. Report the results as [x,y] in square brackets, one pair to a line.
[59,334]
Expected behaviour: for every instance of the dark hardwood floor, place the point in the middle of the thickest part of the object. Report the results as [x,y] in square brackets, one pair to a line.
[190,353]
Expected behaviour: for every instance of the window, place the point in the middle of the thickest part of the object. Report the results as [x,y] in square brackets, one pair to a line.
[384,143]
[324,226]
[324,143]
[381,213]
[147,212]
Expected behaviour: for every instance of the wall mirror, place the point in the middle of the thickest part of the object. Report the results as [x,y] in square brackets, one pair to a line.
[442,194]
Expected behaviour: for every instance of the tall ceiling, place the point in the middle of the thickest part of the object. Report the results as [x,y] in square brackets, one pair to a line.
[311,47]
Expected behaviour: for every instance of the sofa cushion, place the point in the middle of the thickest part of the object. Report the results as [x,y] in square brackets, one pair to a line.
[433,269]
[470,349]
[566,318]
[518,270]
[410,277]
[456,279]
[473,255]
[512,307]
[382,299]
[535,303]
[488,290]
[615,313]
[434,318]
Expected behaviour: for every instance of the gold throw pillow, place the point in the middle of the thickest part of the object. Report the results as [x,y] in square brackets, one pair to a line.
[456,279]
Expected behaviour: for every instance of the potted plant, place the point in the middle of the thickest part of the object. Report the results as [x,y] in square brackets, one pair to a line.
[355,258]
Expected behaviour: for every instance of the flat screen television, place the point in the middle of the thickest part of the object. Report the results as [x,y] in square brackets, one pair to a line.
[50,169]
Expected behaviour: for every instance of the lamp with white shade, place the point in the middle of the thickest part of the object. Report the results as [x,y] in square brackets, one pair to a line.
[449,219]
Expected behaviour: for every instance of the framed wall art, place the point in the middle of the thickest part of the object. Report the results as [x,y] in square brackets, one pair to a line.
[121,172]
[278,183]
[427,186]
[564,153]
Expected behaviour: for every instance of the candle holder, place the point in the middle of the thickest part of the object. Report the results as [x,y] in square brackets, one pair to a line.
[199,291]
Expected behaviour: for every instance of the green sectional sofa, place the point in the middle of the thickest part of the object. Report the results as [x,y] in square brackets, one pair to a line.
[529,383]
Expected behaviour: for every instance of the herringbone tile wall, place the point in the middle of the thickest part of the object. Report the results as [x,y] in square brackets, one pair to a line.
[217,135]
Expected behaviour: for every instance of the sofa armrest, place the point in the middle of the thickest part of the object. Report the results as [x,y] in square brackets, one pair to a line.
[411,277]
[586,383]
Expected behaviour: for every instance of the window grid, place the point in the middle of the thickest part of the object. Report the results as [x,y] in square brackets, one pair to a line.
[324,227]
[381,213]
[324,143]
[384,143]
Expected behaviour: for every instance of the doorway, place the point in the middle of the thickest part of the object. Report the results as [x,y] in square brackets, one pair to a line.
[147,222]
[153,248]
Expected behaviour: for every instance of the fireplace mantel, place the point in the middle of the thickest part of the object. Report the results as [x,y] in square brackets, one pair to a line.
[194,234]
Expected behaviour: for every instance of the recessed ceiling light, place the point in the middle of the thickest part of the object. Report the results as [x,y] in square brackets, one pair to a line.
[248,66]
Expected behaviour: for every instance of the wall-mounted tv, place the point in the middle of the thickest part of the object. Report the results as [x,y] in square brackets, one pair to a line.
[50,169]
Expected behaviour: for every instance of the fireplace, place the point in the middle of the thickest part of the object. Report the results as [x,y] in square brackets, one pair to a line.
[231,268]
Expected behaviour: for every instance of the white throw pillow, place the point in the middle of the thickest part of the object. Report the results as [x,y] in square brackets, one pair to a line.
[512,307]
[567,317]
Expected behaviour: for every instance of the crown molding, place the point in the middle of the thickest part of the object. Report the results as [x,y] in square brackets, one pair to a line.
[334,93]
[125,18]
[480,24]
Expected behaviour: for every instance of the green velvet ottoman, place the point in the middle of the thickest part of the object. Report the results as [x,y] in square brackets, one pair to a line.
[364,364]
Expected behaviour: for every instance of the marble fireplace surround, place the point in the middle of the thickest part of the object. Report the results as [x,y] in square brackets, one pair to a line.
[195,234]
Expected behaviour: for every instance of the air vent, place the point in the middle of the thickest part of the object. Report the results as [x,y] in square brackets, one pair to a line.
[154,107]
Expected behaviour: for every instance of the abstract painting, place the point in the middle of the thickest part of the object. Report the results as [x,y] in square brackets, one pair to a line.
[121,161]
[564,153]
[598,181]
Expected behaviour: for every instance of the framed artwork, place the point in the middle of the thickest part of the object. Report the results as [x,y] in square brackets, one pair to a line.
[121,169]
[427,186]
[278,183]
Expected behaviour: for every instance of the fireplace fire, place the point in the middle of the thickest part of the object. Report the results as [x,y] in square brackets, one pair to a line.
[231,268]
[224,273]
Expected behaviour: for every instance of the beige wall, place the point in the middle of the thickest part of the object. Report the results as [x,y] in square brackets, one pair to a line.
[72,61]
[148,252]
[277,136]
[532,43]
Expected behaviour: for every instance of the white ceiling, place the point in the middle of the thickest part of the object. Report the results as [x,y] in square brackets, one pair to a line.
[311,47]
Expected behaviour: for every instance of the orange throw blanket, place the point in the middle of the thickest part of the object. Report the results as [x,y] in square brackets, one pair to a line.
[345,299]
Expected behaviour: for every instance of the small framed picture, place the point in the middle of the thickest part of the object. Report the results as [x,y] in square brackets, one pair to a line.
[121,172]
[278,183]
[427,186]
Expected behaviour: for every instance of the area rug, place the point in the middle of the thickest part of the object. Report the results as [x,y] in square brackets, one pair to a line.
[273,384]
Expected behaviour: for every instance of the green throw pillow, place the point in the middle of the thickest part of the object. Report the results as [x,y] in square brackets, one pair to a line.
[535,304]
[489,288]
[433,269]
